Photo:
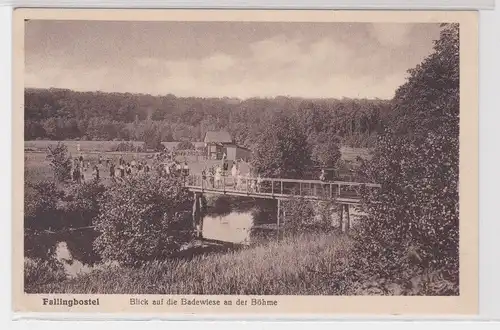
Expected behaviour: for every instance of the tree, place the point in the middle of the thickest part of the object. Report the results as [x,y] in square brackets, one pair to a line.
[141,219]
[60,161]
[282,150]
[326,150]
[417,162]
[50,128]
[152,138]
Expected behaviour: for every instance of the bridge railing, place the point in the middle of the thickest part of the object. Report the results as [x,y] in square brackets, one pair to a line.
[278,187]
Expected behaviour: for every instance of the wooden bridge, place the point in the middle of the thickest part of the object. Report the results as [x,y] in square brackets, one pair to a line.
[282,189]
[345,194]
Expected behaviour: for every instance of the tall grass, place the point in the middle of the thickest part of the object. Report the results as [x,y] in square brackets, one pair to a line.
[38,272]
[300,265]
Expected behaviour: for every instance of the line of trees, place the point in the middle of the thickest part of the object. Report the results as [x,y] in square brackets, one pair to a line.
[59,114]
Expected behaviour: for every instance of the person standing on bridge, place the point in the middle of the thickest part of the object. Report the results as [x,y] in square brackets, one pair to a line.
[204,176]
[185,169]
[322,178]
[74,170]
[259,182]
[252,182]
[168,169]
[122,172]
[211,174]
[218,177]
[239,178]
[95,173]
[178,168]
[234,174]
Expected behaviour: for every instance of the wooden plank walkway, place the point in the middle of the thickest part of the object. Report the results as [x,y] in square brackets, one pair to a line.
[270,188]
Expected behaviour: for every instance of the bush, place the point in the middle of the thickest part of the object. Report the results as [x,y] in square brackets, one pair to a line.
[141,219]
[82,205]
[185,145]
[38,272]
[60,161]
[297,212]
[128,147]
[41,209]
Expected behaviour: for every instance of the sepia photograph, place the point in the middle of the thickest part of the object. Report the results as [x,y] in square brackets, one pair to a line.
[250,157]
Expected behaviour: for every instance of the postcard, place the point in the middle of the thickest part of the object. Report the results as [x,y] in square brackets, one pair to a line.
[245,162]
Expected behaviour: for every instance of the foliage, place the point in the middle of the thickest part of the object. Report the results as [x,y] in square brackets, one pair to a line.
[38,272]
[60,161]
[60,114]
[297,212]
[152,137]
[282,150]
[141,219]
[41,210]
[326,150]
[414,225]
[185,145]
[128,147]
[83,203]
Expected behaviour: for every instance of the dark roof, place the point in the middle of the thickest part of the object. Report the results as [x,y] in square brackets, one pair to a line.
[221,137]
[236,146]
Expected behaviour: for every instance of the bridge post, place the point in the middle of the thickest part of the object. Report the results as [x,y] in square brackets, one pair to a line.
[341,217]
[197,215]
[348,219]
[278,212]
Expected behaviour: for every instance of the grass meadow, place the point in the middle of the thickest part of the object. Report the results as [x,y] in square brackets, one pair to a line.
[37,166]
[310,264]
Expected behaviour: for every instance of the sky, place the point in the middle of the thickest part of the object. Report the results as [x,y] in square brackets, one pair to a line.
[226,59]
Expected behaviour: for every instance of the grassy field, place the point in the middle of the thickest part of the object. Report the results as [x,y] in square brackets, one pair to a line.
[90,146]
[303,265]
[37,166]
[348,153]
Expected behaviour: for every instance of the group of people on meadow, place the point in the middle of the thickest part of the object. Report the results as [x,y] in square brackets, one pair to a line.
[80,169]
[84,169]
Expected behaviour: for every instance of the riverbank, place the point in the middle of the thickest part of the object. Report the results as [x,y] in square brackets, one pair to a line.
[305,265]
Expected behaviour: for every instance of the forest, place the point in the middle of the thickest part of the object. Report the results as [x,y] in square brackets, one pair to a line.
[61,114]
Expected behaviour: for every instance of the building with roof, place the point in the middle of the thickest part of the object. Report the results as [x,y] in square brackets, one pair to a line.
[218,143]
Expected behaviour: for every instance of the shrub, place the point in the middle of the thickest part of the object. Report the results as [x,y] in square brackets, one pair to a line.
[185,145]
[41,205]
[60,161]
[38,272]
[128,147]
[297,212]
[82,204]
[141,219]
